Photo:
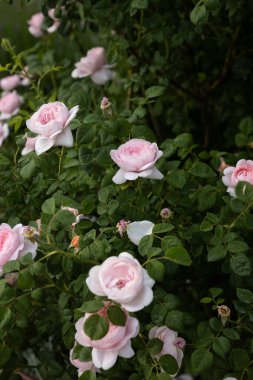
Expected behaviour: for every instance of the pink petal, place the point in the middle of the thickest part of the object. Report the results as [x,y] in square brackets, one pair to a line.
[65,138]
[93,281]
[144,298]
[104,359]
[119,177]
[126,351]
[102,76]
[156,174]
[43,144]
[72,114]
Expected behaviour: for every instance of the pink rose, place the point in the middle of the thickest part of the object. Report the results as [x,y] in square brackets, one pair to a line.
[75,212]
[117,341]
[242,172]
[10,82]
[82,366]
[136,158]
[94,65]
[51,123]
[123,280]
[9,105]
[172,344]
[13,244]
[35,24]
[4,132]
[29,145]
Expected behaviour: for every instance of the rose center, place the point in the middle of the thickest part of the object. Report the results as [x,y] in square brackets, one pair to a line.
[47,115]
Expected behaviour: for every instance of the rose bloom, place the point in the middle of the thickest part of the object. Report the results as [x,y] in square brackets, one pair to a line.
[29,145]
[4,132]
[82,366]
[10,82]
[242,172]
[35,24]
[51,123]
[117,341]
[137,230]
[94,65]
[136,158]
[172,344]
[9,105]
[123,280]
[13,244]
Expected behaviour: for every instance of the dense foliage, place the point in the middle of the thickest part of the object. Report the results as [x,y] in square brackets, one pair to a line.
[182,78]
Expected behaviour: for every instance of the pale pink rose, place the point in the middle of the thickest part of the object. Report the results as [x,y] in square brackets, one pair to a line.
[10,82]
[117,342]
[94,65]
[4,132]
[82,366]
[9,105]
[123,280]
[51,123]
[242,172]
[172,344]
[35,24]
[75,212]
[56,22]
[136,158]
[137,230]
[13,244]
[29,145]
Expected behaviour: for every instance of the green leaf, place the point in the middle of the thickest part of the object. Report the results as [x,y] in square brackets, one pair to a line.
[154,91]
[232,334]
[206,300]
[48,206]
[5,317]
[4,161]
[244,191]
[11,266]
[162,227]
[27,171]
[82,353]
[212,5]
[178,255]
[245,295]
[206,226]
[25,280]
[217,253]
[198,14]
[92,306]
[145,245]
[239,359]
[177,179]
[156,269]
[201,360]
[116,315]
[5,352]
[96,327]
[183,140]
[2,286]
[155,346]
[88,375]
[65,217]
[175,320]
[200,169]
[237,246]
[240,264]
[221,346]
[169,364]
[215,292]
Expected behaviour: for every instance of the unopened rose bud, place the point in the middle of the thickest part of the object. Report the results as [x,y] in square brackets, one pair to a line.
[180,343]
[106,106]
[75,241]
[122,226]
[224,313]
[166,213]
[223,165]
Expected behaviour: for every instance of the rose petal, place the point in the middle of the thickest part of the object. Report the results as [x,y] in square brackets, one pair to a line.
[136,230]
[42,144]
[144,298]
[65,138]
[93,282]
[119,177]
[102,76]
[104,359]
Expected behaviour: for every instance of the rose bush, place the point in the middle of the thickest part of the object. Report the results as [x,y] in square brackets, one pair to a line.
[126,221]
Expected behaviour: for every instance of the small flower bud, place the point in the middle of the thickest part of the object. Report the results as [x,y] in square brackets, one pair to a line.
[122,226]
[11,278]
[29,232]
[180,343]
[223,165]
[223,313]
[106,106]
[166,213]
[75,241]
